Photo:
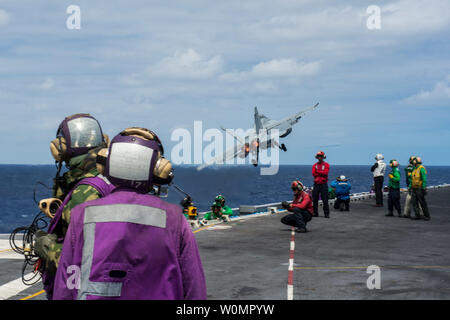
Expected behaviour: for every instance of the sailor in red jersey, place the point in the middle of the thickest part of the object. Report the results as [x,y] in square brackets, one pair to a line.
[320,173]
[301,207]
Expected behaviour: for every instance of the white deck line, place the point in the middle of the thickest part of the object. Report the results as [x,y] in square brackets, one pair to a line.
[14,287]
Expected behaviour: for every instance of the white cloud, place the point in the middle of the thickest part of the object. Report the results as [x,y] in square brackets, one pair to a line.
[409,18]
[276,68]
[187,65]
[439,95]
[47,84]
[285,68]
[342,30]
[4,17]
[328,22]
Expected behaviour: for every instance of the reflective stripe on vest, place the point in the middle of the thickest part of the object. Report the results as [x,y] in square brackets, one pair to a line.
[130,213]
[416,179]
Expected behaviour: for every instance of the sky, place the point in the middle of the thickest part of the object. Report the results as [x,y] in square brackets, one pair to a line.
[165,64]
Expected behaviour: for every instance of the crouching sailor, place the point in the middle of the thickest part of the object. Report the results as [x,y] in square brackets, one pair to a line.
[342,190]
[301,206]
[131,245]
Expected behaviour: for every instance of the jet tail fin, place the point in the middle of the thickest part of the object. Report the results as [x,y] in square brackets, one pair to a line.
[258,123]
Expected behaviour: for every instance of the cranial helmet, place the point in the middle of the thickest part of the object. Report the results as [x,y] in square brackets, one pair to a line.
[393,163]
[418,159]
[320,154]
[76,135]
[297,185]
[220,199]
[342,178]
[135,159]
[379,156]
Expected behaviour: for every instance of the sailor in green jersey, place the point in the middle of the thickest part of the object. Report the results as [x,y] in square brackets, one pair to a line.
[219,210]
[394,189]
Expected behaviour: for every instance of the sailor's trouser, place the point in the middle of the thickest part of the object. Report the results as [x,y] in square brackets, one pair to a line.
[378,185]
[339,203]
[409,205]
[321,189]
[418,197]
[298,219]
[394,200]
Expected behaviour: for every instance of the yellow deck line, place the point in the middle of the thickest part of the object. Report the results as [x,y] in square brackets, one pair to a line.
[6,250]
[382,267]
[33,295]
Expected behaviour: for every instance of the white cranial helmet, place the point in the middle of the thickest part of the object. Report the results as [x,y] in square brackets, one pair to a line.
[379,156]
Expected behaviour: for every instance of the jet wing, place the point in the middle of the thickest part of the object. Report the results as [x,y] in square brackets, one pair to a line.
[229,154]
[290,120]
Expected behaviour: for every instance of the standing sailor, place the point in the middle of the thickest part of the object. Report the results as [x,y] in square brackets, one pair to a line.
[78,141]
[320,172]
[131,245]
[378,170]
[394,190]
[408,201]
[419,189]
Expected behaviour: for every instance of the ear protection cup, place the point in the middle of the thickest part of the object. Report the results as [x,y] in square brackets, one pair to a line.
[102,155]
[297,185]
[58,149]
[163,172]
[107,140]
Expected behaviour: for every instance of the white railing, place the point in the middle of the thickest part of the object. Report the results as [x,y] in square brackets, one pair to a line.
[353,198]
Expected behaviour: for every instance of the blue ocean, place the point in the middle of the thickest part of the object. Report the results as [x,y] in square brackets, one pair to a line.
[240,185]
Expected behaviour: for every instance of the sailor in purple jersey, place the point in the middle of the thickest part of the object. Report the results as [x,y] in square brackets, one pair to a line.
[131,245]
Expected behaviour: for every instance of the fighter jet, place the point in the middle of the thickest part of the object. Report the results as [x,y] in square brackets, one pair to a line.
[260,138]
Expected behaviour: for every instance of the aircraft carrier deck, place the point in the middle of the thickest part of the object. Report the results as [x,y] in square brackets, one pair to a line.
[258,258]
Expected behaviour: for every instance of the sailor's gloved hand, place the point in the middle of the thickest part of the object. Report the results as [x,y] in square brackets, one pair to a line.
[43,243]
[285,205]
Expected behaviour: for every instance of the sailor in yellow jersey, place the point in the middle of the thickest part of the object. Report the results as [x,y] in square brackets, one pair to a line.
[419,189]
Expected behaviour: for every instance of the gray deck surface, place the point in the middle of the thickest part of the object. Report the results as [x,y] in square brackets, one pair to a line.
[248,259]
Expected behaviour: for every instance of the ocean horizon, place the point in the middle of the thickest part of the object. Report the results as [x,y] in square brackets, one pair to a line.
[239,184]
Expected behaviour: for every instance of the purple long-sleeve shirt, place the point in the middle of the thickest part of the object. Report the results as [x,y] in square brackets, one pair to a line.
[129,246]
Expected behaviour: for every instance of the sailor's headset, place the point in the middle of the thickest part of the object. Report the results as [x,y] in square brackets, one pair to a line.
[144,178]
